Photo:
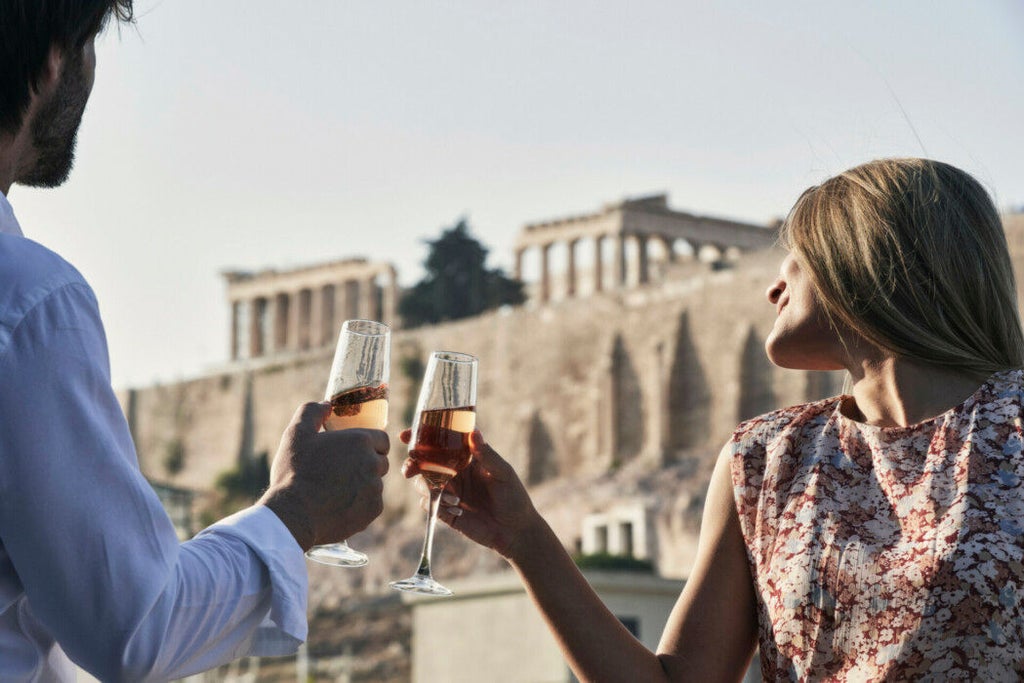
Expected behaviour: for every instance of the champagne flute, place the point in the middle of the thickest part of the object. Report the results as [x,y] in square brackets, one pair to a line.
[358,391]
[445,417]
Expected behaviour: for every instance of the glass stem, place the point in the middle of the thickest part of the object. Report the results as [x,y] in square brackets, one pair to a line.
[428,541]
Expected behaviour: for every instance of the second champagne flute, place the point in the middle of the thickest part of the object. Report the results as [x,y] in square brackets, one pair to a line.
[445,417]
[358,391]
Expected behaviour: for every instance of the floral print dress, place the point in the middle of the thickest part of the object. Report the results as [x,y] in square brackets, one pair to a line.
[887,553]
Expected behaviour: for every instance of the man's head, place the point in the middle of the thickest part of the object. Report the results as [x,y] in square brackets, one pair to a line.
[49,41]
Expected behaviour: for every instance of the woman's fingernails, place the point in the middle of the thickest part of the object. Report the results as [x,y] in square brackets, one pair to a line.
[455,512]
[449,499]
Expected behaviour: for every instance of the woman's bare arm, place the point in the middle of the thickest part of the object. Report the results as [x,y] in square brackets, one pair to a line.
[710,633]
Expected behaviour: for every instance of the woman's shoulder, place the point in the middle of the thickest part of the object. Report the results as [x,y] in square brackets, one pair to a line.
[778,434]
[1002,388]
[763,428]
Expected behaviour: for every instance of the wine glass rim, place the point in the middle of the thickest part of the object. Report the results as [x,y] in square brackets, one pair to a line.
[454,356]
[365,328]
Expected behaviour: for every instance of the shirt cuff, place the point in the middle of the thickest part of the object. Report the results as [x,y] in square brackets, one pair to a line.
[285,627]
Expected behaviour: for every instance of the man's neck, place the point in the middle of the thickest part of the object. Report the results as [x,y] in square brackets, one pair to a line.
[16,153]
[6,179]
[11,154]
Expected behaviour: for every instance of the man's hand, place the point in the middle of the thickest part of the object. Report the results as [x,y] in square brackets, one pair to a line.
[326,486]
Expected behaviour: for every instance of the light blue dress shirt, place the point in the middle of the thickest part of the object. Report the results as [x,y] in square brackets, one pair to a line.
[90,566]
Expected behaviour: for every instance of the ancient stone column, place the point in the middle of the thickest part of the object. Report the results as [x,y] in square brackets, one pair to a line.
[327,315]
[570,270]
[304,326]
[257,309]
[265,324]
[316,317]
[277,312]
[390,298]
[354,294]
[292,321]
[274,331]
[343,304]
[545,274]
[598,263]
[519,264]
[670,254]
[642,263]
[368,300]
[619,262]
[236,307]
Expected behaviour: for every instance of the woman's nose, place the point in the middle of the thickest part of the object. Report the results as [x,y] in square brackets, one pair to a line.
[775,291]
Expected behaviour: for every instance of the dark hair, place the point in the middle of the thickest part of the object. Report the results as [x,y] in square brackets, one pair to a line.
[29,28]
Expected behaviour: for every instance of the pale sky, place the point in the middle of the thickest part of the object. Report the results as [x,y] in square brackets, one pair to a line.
[243,134]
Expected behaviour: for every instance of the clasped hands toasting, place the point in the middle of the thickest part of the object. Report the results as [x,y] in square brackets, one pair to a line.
[327,485]
[326,480]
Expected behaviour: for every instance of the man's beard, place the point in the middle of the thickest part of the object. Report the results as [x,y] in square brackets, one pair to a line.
[55,128]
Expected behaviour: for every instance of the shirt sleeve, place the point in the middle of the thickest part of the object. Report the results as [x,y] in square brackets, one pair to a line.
[96,553]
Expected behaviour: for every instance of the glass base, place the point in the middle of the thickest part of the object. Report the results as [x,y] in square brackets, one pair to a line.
[337,555]
[421,584]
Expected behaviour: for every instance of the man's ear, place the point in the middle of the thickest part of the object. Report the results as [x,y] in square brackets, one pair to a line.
[51,71]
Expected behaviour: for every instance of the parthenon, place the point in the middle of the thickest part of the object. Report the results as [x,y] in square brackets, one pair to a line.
[637,221]
[285,311]
[300,309]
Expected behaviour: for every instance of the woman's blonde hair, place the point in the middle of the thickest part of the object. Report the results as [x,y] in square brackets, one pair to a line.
[911,254]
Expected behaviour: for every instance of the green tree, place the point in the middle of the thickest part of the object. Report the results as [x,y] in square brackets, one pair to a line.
[457,283]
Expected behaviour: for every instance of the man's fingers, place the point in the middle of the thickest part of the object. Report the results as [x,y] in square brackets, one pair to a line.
[381,441]
[309,418]
[405,436]
[376,439]
[381,444]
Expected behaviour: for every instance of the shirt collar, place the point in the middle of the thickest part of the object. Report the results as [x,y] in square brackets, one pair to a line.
[8,223]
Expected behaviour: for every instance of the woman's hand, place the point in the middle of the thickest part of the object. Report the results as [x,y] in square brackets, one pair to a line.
[486,502]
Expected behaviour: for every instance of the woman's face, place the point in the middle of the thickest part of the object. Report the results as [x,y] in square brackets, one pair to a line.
[801,338]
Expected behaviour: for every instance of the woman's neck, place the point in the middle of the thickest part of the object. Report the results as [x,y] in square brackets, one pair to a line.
[897,392]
